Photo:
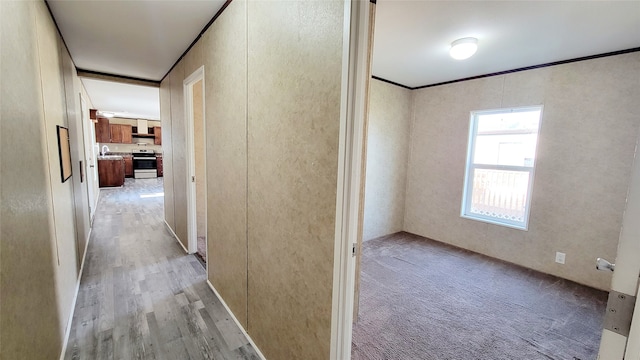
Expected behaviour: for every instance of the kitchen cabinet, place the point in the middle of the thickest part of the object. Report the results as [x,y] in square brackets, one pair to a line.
[157,135]
[116,134]
[103,132]
[159,167]
[127,137]
[120,133]
[128,165]
[111,171]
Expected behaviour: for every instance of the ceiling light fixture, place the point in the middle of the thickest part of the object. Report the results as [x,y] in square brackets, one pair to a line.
[463,48]
[106,114]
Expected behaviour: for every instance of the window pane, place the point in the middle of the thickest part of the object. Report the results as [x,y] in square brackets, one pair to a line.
[510,149]
[509,121]
[499,194]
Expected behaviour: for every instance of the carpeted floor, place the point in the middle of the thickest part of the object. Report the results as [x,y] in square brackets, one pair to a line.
[421,299]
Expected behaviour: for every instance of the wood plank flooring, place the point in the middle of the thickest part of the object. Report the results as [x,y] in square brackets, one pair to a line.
[141,296]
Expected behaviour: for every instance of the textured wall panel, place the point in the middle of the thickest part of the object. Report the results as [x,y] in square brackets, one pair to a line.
[179,153]
[66,266]
[387,154]
[30,324]
[225,51]
[39,250]
[167,151]
[294,80]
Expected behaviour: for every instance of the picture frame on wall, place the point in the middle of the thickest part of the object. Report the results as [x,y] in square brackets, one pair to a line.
[64,150]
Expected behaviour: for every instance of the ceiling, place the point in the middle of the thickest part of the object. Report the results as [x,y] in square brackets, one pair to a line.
[143,39]
[412,38]
[139,39]
[124,100]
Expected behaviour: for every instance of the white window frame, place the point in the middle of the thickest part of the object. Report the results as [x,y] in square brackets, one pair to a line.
[470,170]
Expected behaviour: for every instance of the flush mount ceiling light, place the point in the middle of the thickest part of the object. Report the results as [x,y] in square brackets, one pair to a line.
[463,48]
[106,114]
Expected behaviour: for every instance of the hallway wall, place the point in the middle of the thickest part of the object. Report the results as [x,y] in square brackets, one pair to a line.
[167,152]
[39,256]
[390,114]
[272,93]
[225,60]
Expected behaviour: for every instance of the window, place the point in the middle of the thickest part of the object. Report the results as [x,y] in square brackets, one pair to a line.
[500,165]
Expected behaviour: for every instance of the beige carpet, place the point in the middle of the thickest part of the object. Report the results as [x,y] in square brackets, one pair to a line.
[421,299]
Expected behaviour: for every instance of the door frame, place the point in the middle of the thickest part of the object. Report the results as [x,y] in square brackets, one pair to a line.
[355,58]
[614,346]
[90,161]
[192,230]
[350,158]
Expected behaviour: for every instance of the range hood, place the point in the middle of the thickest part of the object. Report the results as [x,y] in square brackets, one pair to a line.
[142,127]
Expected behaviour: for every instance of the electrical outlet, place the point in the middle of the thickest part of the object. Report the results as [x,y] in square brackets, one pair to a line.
[560,257]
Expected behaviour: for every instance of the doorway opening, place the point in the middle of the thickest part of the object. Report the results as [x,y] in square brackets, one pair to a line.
[414,273]
[197,192]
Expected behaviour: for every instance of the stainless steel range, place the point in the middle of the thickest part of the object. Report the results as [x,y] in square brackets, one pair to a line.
[145,165]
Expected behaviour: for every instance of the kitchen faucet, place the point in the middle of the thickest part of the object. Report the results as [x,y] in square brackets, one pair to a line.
[103,147]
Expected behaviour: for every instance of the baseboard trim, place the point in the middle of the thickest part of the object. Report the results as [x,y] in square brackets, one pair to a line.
[244,332]
[176,237]
[67,331]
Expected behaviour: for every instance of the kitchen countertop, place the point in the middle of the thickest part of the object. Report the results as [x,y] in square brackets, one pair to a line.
[110,157]
[115,153]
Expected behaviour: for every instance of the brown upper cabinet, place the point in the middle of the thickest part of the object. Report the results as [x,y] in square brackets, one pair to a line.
[157,135]
[103,132]
[120,133]
[123,133]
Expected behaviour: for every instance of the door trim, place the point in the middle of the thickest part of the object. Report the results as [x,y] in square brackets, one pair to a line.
[90,162]
[192,233]
[625,278]
[350,158]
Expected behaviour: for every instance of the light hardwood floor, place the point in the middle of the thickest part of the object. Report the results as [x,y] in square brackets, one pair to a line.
[141,296]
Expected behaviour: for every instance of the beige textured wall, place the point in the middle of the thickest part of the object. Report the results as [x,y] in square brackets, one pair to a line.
[179,154]
[66,272]
[272,108]
[72,86]
[39,264]
[294,86]
[586,146]
[199,155]
[167,151]
[390,112]
[225,53]
[30,324]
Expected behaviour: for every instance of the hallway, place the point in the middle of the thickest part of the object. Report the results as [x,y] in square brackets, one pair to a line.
[140,296]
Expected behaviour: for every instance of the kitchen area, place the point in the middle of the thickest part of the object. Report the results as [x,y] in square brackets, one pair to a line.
[129,148]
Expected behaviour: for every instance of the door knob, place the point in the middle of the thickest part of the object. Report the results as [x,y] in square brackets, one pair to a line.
[602,264]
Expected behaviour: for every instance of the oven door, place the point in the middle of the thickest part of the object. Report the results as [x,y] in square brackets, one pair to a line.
[144,163]
[144,167]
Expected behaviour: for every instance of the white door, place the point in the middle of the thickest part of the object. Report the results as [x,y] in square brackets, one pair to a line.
[615,346]
[91,156]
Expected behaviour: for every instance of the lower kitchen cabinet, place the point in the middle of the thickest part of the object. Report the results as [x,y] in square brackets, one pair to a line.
[128,165]
[111,172]
[159,167]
